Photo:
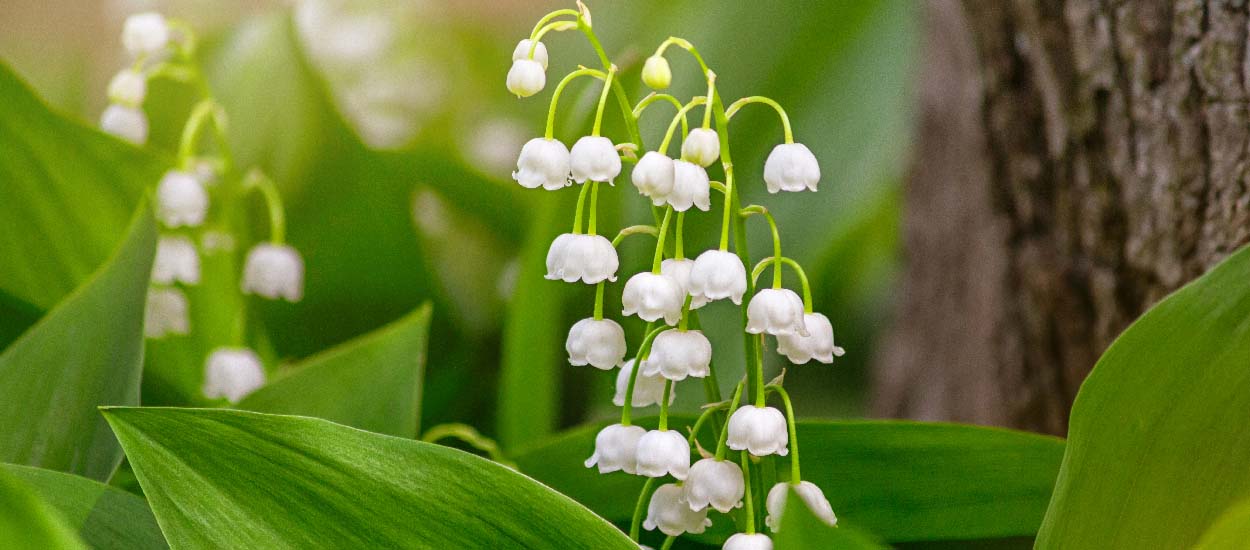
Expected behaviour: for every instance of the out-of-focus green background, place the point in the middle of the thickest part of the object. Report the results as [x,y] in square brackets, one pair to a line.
[389,129]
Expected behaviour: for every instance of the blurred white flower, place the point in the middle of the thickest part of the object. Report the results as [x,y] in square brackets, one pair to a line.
[145,34]
[716,275]
[676,354]
[651,296]
[165,313]
[776,311]
[589,258]
[669,512]
[817,345]
[701,146]
[600,344]
[181,200]
[217,241]
[543,163]
[274,271]
[232,373]
[653,176]
[526,78]
[128,88]
[663,452]
[743,541]
[594,158]
[759,430]
[493,144]
[656,73]
[791,167]
[809,493]
[648,390]
[522,51]
[177,261]
[690,187]
[128,123]
[715,483]
[616,449]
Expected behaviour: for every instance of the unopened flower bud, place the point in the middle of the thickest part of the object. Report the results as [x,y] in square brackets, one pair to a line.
[701,146]
[594,158]
[791,167]
[809,493]
[128,123]
[177,261]
[759,430]
[543,163]
[616,449]
[776,311]
[181,200]
[669,512]
[145,33]
[522,51]
[128,87]
[656,73]
[598,343]
[526,77]
[232,373]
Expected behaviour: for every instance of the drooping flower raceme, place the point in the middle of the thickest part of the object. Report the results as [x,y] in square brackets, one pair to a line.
[165,313]
[145,34]
[128,123]
[652,296]
[690,187]
[701,146]
[588,258]
[594,158]
[128,88]
[810,494]
[598,343]
[663,452]
[776,311]
[817,345]
[759,430]
[522,51]
[526,77]
[181,200]
[232,373]
[743,541]
[176,261]
[716,275]
[715,483]
[648,390]
[669,512]
[653,176]
[679,270]
[676,354]
[543,163]
[616,449]
[791,167]
[274,271]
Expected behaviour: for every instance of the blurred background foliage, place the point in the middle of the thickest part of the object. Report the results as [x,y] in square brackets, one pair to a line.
[389,129]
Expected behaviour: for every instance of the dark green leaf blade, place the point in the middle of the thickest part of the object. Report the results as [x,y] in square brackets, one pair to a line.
[372,383]
[233,479]
[26,521]
[802,530]
[1231,530]
[106,517]
[86,352]
[1158,440]
[902,481]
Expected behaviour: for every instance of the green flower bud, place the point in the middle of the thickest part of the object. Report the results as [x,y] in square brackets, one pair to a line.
[656,74]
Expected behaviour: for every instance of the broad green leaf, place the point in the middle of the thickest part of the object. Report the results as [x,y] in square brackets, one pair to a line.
[1158,441]
[1230,530]
[67,193]
[86,352]
[233,479]
[901,481]
[802,530]
[105,517]
[372,383]
[15,317]
[26,521]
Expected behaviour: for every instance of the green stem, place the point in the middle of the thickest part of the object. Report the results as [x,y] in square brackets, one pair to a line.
[594,213]
[631,122]
[668,543]
[711,91]
[201,114]
[760,397]
[679,241]
[785,120]
[634,230]
[747,498]
[685,314]
[557,26]
[798,270]
[555,96]
[644,351]
[652,98]
[603,100]
[542,22]
[672,126]
[257,180]
[794,437]
[729,192]
[659,241]
[756,209]
[581,203]
[668,390]
[599,301]
[703,418]
[724,434]
[635,525]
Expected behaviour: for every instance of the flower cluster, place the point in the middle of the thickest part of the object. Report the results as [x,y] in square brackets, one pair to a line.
[666,296]
[192,221]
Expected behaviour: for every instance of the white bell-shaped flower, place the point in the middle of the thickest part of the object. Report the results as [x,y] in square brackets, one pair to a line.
[743,541]
[598,343]
[776,311]
[663,452]
[690,187]
[701,146]
[522,51]
[145,33]
[760,430]
[648,390]
[679,270]
[817,345]
[526,77]
[594,158]
[588,258]
[128,87]
[232,373]
[716,275]
[181,200]
[653,176]
[543,163]
[177,261]
[809,493]
[128,123]
[616,449]
[656,73]
[165,313]
[791,167]
[274,271]
[651,296]
[669,512]
[676,354]
[715,483]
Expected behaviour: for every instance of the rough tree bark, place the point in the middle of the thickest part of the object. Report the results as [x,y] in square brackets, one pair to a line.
[1077,160]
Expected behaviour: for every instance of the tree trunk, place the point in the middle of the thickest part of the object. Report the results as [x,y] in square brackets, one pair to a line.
[1076,161]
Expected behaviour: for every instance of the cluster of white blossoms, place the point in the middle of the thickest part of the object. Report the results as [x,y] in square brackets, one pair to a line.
[190,224]
[665,296]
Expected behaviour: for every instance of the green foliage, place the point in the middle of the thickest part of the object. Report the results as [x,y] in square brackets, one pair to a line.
[1158,438]
[26,521]
[230,479]
[372,383]
[106,518]
[1230,530]
[86,352]
[801,529]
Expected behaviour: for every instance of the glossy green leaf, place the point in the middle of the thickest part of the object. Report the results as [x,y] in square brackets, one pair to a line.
[232,479]
[26,521]
[67,193]
[902,481]
[105,517]
[1158,439]
[372,383]
[86,352]
[1230,530]
[802,530]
